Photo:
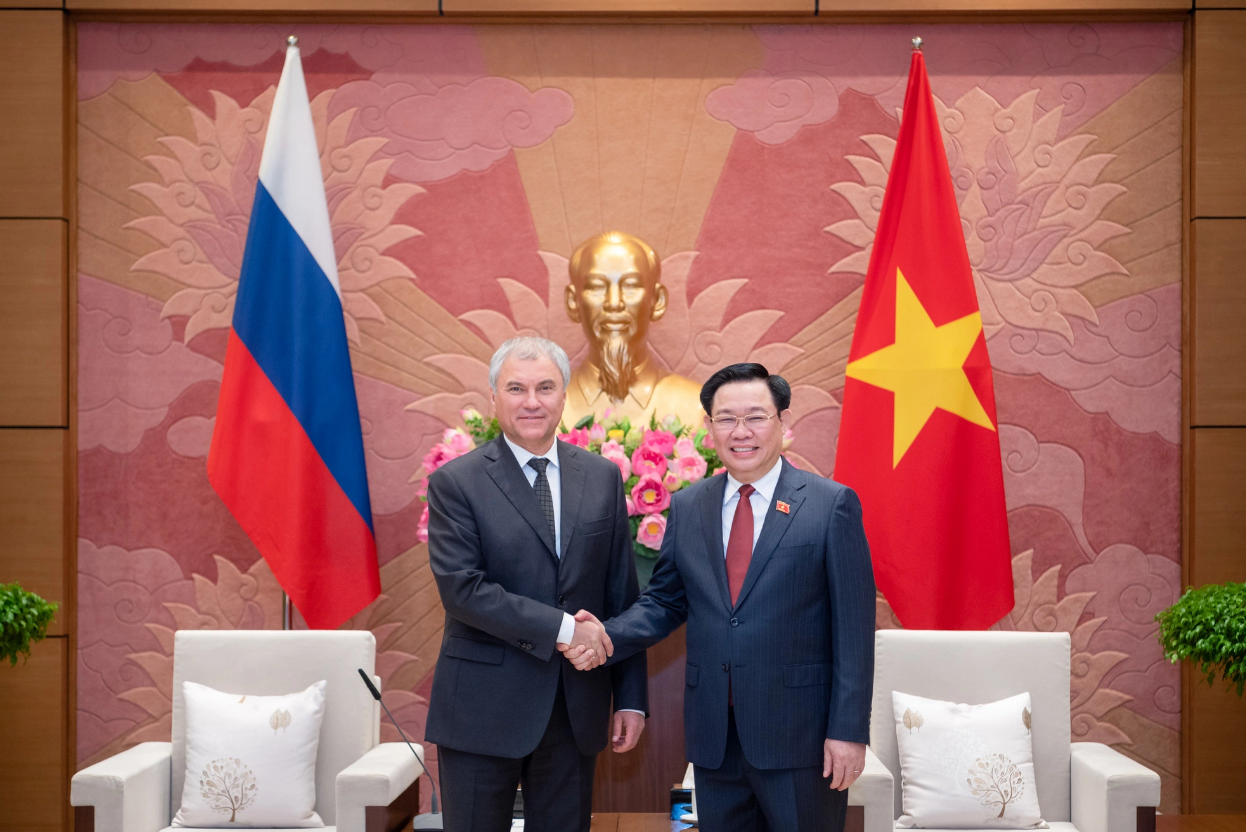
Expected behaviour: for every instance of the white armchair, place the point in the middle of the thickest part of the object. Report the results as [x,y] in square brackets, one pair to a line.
[1082,787]
[361,784]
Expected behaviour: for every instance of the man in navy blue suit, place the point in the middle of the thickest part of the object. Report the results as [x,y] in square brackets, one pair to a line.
[769,567]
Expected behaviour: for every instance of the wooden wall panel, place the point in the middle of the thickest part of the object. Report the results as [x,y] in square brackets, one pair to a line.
[1217,310]
[32,90]
[1219,110]
[1217,737]
[33,323]
[344,7]
[33,787]
[663,7]
[32,514]
[1218,507]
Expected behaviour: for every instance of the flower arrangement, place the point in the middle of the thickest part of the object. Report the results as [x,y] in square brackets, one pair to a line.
[654,462]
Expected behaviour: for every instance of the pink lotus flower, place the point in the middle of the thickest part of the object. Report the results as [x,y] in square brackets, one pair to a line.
[707,441]
[650,495]
[672,481]
[718,471]
[631,505]
[577,437]
[439,455]
[610,446]
[469,414]
[458,441]
[597,432]
[618,458]
[691,468]
[685,447]
[648,460]
[662,440]
[421,528]
[652,530]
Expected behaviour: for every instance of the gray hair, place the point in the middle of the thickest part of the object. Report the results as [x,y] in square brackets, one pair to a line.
[528,348]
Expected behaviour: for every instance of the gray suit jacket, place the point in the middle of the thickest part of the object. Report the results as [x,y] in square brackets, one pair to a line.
[505,591]
[798,645]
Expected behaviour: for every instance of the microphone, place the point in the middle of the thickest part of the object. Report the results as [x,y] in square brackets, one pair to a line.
[430,820]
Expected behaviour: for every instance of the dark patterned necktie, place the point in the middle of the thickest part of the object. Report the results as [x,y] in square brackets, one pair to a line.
[543,495]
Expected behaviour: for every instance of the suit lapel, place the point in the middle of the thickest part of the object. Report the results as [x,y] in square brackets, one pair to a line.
[504,469]
[573,484]
[711,511]
[773,529]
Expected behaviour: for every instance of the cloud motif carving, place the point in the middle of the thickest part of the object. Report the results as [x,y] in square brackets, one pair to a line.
[130,367]
[773,107]
[436,134]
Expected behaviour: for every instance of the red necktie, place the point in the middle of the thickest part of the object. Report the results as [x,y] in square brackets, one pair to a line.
[740,543]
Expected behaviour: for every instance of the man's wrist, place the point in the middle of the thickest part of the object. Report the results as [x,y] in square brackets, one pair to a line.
[567,629]
[629,711]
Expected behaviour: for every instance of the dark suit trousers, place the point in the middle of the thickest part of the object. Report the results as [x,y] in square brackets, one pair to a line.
[478,790]
[739,798]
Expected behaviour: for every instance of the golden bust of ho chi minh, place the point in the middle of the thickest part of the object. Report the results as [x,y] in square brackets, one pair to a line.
[615,293]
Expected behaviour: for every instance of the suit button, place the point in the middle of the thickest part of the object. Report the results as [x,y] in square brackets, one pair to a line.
[735,622]
[562,599]
[726,668]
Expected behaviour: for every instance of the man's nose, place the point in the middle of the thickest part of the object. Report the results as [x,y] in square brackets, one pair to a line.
[530,399]
[614,296]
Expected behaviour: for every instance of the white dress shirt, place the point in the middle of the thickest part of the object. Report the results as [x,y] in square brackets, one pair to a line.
[553,473]
[759,500]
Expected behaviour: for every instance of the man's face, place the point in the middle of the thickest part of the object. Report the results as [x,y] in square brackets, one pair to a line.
[528,402]
[616,295]
[747,452]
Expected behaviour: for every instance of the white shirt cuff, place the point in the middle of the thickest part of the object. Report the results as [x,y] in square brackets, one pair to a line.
[567,630]
[629,711]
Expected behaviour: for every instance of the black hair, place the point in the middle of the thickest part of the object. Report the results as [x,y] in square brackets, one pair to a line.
[780,390]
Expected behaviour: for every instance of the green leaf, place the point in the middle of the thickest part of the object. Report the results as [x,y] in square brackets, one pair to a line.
[24,620]
[586,422]
[1207,626]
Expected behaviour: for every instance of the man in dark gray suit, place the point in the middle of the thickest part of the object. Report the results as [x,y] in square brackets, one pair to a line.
[770,568]
[521,532]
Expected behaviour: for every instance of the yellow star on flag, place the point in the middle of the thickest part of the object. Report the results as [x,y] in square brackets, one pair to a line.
[924,368]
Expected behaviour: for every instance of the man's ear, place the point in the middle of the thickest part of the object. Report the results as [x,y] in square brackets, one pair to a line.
[659,302]
[571,302]
[785,419]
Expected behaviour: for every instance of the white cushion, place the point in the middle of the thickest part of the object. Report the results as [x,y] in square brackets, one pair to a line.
[250,760]
[966,766]
[183,829]
[977,667]
[273,662]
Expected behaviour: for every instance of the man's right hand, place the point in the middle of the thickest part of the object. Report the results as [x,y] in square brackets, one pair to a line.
[590,646]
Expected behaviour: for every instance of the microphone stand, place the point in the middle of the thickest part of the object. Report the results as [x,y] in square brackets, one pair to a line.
[429,820]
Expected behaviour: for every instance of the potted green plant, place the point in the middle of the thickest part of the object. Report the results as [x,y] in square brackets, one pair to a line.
[24,619]
[1208,627]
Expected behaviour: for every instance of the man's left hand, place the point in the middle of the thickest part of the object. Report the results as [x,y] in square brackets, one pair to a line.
[841,762]
[626,731]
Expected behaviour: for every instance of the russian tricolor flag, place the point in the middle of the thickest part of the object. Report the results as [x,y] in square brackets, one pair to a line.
[287,450]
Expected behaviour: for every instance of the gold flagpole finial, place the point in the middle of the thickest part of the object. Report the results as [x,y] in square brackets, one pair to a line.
[917,44]
[292,40]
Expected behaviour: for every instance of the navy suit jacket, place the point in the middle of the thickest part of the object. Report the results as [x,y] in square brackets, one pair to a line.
[505,591]
[798,645]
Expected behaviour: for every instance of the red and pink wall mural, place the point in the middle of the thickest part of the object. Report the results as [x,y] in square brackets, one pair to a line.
[464,164]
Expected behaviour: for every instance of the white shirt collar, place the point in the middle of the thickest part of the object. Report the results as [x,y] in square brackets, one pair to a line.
[765,486]
[522,455]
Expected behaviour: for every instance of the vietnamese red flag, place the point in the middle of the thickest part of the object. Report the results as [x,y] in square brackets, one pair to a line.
[918,437]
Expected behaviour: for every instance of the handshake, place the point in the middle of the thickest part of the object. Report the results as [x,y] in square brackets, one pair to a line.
[590,646]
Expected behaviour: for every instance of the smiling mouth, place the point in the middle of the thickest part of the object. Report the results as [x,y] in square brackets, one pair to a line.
[743,449]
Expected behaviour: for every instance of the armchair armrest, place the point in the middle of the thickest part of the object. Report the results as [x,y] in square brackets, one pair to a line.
[385,776]
[1110,792]
[873,791]
[128,792]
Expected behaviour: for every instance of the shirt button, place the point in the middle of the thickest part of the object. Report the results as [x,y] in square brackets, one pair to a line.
[726,668]
[735,622]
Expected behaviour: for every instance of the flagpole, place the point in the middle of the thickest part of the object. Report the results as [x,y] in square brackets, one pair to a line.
[917,44]
[286,612]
